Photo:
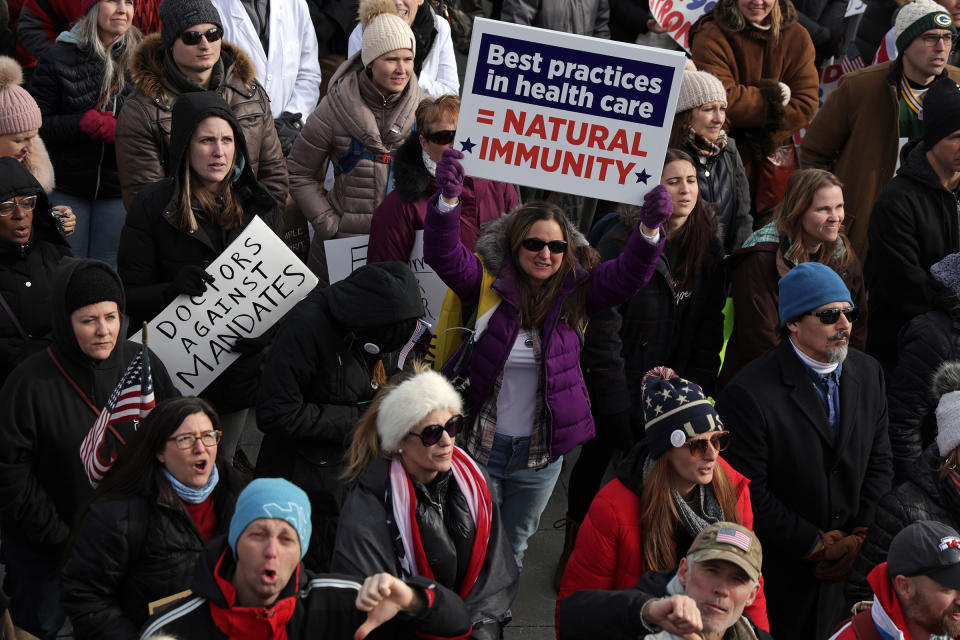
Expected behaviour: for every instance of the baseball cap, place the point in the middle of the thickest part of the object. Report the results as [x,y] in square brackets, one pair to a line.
[926,548]
[731,542]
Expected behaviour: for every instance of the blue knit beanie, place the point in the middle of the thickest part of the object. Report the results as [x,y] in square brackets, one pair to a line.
[808,286]
[272,498]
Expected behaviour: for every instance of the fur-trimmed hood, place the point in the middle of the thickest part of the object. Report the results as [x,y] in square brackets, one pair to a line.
[727,15]
[411,178]
[147,72]
[492,245]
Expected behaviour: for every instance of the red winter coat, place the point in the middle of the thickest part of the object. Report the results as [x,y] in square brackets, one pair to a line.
[609,549]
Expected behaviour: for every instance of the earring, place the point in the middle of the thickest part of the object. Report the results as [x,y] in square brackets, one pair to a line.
[399,450]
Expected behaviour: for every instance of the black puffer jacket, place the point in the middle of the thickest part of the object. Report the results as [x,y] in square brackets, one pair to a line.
[366,543]
[912,226]
[27,271]
[317,382]
[154,247]
[129,552]
[723,182]
[43,420]
[66,84]
[921,497]
[925,343]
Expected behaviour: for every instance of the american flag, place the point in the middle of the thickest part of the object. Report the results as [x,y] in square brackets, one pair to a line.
[131,400]
[853,60]
[736,538]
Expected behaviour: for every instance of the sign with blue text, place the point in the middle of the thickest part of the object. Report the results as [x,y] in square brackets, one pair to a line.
[565,112]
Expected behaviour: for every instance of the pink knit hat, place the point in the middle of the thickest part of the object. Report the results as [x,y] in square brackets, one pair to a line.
[18,110]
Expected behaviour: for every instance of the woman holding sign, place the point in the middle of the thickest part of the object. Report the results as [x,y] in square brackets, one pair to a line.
[532,283]
[179,225]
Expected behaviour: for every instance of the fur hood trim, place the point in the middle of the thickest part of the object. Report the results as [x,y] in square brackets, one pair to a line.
[492,245]
[411,178]
[39,164]
[146,68]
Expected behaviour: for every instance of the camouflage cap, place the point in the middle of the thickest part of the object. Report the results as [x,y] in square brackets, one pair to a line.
[731,542]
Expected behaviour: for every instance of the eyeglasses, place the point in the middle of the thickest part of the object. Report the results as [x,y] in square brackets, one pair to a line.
[718,441]
[191,38]
[26,204]
[208,438]
[536,245]
[931,39]
[832,316]
[445,136]
[431,434]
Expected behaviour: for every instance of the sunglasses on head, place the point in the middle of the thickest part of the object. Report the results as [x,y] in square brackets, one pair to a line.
[536,245]
[431,434]
[832,316]
[718,441]
[193,37]
[444,136]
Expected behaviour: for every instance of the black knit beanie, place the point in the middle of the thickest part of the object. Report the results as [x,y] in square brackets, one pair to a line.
[941,111]
[176,16]
[92,284]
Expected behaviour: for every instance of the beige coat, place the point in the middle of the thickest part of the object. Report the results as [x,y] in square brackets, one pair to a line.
[352,109]
[143,128]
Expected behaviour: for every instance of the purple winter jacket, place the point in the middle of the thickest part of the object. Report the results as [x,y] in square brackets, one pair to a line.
[569,422]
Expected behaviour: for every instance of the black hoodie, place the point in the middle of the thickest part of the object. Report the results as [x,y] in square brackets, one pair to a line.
[43,420]
[27,270]
[153,247]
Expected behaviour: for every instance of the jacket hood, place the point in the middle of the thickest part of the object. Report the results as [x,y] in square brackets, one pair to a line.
[188,112]
[411,178]
[63,336]
[16,179]
[630,469]
[374,295]
[886,612]
[914,165]
[492,245]
[148,75]
[726,14]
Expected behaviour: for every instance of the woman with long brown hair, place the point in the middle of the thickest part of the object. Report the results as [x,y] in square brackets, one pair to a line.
[808,228]
[670,486]
[532,283]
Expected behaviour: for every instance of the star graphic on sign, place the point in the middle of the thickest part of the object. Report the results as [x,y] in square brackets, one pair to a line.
[466,146]
[665,393]
[658,409]
[642,176]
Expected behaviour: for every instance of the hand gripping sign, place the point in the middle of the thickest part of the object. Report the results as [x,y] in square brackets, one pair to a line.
[677,16]
[565,112]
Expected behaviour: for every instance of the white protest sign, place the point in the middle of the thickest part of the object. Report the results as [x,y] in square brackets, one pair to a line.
[678,17]
[346,255]
[565,112]
[855,7]
[257,279]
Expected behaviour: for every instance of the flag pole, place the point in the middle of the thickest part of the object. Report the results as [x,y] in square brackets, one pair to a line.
[143,334]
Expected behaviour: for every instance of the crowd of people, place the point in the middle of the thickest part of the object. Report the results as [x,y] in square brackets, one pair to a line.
[776,469]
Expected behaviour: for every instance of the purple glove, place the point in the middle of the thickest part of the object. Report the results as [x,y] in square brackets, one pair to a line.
[450,174]
[657,207]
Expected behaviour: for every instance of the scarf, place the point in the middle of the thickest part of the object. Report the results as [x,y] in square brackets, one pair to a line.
[189,494]
[429,164]
[701,510]
[703,146]
[470,480]
[252,623]
[913,100]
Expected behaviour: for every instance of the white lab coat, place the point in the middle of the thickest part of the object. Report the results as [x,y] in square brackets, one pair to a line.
[438,75]
[291,71]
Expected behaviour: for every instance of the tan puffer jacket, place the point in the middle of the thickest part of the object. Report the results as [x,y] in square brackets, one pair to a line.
[352,109]
[143,128]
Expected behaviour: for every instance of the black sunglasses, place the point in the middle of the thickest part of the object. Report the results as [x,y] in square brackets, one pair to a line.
[431,434]
[444,136]
[536,245]
[718,441]
[832,316]
[193,37]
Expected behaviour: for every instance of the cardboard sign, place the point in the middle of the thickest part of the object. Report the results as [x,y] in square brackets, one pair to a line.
[257,279]
[565,112]
[346,255]
[678,16]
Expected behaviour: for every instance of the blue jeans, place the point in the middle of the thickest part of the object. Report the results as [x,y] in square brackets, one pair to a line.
[521,492]
[99,223]
[32,582]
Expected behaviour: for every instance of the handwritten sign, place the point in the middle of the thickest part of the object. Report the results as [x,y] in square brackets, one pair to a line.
[677,17]
[346,255]
[565,112]
[257,279]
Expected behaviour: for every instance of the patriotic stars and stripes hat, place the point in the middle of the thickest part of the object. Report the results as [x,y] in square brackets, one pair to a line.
[730,542]
[674,410]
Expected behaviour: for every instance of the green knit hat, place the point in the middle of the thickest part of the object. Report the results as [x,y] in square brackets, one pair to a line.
[918,17]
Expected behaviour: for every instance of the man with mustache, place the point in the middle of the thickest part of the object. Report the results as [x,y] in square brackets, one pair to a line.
[916,591]
[808,421]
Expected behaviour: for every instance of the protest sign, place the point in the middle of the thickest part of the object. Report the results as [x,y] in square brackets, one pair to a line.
[565,112]
[677,17]
[257,279]
[346,255]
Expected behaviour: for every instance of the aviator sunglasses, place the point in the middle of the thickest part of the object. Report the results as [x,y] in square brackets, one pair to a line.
[536,245]
[444,136]
[718,441]
[191,38]
[832,316]
[431,434]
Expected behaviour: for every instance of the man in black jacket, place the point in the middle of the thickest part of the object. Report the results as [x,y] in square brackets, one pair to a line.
[252,585]
[914,223]
[808,421]
[704,597]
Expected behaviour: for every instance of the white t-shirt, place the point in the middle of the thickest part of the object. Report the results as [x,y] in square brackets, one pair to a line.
[517,402]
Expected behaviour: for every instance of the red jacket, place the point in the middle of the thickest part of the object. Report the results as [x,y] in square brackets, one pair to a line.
[609,549]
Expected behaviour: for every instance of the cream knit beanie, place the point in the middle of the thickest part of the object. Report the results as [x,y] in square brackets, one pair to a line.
[698,88]
[383,30]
